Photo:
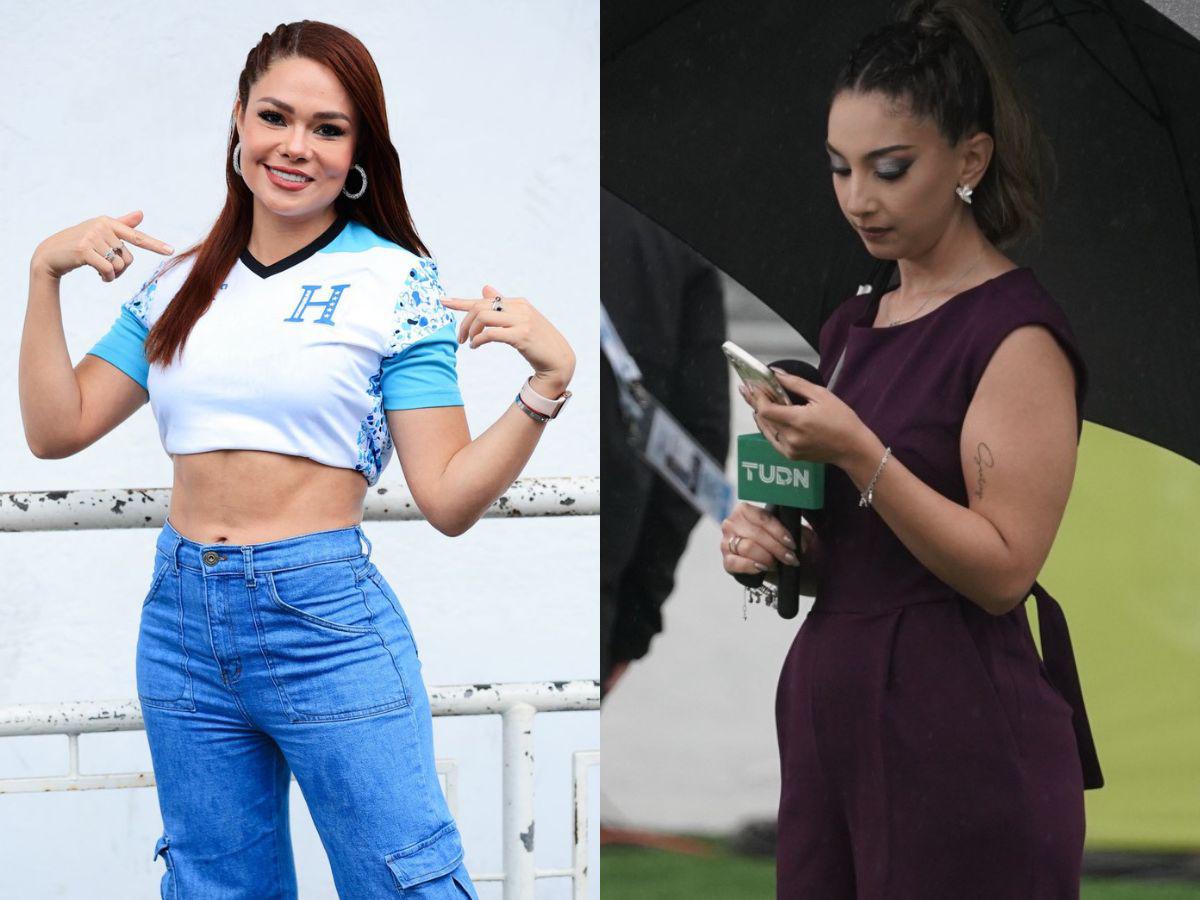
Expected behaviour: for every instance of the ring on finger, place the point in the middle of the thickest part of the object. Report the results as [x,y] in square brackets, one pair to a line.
[733,542]
[497,303]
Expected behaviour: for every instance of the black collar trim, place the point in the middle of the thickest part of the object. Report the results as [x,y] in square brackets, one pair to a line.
[326,237]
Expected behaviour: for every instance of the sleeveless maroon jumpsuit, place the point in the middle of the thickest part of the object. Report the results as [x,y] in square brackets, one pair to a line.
[926,750]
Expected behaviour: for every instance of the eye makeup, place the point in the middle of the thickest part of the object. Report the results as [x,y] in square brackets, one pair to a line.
[889,171]
[337,132]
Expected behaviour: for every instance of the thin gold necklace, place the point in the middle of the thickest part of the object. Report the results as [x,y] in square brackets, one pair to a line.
[939,290]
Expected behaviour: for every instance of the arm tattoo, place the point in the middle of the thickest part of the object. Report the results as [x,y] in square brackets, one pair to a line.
[983,457]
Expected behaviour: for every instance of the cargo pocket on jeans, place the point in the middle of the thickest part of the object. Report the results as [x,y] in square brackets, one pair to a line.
[166,886]
[432,869]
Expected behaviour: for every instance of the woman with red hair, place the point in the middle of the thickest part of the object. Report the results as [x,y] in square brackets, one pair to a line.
[285,355]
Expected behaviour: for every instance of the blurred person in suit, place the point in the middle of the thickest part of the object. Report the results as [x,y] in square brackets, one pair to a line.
[666,304]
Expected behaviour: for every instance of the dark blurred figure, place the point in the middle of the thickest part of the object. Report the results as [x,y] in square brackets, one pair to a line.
[666,304]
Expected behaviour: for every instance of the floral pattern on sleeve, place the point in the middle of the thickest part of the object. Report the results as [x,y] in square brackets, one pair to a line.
[419,310]
[139,303]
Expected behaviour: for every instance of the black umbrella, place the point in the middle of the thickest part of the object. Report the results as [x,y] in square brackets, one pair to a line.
[713,124]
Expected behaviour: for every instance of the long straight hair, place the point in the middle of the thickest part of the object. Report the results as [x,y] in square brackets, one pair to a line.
[954,61]
[383,208]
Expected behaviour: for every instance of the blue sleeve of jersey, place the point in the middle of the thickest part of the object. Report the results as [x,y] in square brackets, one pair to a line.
[125,346]
[423,374]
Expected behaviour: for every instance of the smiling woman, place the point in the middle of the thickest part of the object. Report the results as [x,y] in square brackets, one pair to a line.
[259,138]
[281,353]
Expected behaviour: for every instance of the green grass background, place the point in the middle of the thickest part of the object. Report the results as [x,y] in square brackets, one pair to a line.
[628,873]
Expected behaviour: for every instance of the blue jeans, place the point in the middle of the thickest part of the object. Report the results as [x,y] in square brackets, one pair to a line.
[295,655]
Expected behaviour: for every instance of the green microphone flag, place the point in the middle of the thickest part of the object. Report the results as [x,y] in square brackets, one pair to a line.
[767,476]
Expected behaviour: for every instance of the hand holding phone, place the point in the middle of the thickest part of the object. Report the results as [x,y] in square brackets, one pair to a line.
[754,373]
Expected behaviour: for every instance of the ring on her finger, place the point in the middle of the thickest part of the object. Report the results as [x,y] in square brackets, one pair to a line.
[777,435]
[497,305]
[112,251]
[733,542]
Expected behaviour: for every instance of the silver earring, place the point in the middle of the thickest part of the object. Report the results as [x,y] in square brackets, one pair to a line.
[362,190]
[964,191]
[236,165]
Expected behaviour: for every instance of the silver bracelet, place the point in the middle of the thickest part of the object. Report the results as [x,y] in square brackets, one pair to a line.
[868,495]
[532,413]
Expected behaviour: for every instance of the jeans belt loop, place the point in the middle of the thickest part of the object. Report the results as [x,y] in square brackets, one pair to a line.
[248,564]
[362,534]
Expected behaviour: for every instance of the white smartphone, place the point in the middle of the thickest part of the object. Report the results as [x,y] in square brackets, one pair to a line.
[755,374]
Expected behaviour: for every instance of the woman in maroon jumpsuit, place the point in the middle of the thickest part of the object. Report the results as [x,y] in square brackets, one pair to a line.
[926,750]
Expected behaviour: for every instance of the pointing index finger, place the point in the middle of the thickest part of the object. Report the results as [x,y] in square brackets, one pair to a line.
[143,240]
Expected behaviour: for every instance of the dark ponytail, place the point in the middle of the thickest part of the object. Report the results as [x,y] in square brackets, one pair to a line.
[954,62]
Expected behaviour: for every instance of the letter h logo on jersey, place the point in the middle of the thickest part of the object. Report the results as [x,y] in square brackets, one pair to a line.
[306,300]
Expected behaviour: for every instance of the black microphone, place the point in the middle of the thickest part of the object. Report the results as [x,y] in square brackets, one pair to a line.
[789,516]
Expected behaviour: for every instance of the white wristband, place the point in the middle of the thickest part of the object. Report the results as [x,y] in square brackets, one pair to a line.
[546,406]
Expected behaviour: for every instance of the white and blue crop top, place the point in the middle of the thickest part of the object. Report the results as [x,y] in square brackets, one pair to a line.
[301,357]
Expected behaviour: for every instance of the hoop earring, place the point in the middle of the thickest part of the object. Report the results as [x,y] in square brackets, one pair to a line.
[964,191]
[236,153]
[362,190]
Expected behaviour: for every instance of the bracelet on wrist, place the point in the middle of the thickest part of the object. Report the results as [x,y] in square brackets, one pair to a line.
[867,497]
[532,413]
[537,406]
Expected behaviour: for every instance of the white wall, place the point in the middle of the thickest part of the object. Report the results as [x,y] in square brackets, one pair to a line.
[494,110]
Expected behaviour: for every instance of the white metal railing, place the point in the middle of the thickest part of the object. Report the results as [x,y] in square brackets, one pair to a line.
[566,495]
[515,703]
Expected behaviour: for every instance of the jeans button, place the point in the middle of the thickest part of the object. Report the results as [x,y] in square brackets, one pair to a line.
[211,558]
